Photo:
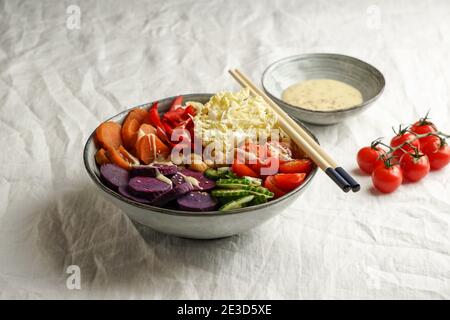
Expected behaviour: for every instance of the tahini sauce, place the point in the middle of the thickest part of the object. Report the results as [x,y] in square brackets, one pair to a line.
[322,95]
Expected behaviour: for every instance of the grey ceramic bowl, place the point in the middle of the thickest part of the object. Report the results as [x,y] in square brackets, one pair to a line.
[359,74]
[196,225]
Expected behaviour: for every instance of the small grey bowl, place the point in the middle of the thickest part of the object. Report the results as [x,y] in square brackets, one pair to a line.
[288,71]
[187,224]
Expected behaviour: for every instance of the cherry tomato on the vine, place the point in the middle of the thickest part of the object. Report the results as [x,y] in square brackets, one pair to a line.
[368,158]
[423,126]
[387,178]
[438,153]
[414,166]
[401,137]
[432,139]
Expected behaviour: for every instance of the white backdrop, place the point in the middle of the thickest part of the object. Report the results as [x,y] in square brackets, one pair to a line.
[57,82]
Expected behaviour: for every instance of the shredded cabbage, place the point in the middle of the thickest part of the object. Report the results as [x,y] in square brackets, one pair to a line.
[237,115]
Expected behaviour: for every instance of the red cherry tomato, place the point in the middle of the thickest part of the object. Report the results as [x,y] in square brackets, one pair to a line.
[289,181]
[368,158]
[438,154]
[296,166]
[387,179]
[270,184]
[423,126]
[414,167]
[430,139]
[401,138]
[241,170]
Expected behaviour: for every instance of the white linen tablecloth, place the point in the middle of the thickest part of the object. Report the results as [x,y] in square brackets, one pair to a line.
[59,79]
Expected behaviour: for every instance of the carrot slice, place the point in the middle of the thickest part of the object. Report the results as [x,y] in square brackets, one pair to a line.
[144,150]
[161,149]
[149,147]
[140,115]
[130,132]
[100,157]
[108,134]
[128,156]
[117,158]
[131,125]
[145,130]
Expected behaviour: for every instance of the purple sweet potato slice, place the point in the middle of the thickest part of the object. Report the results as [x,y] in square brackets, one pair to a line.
[177,179]
[114,176]
[165,169]
[150,171]
[197,201]
[204,184]
[123,190]
[147,187]
[143,171]
[174,193]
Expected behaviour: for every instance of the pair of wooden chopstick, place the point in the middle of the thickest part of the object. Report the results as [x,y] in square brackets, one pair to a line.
[302,139]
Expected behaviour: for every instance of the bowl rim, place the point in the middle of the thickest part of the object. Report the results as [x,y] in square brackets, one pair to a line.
[148,207]
[324,55]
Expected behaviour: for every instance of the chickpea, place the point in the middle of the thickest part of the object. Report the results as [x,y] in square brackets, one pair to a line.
[197,164]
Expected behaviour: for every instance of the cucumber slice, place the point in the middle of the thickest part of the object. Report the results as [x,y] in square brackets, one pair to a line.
[245,200]
[232,183]
[230,206]
[212,174]
[259,191]
[253,181]
[229,193]
[223,170]
[236,204]
[231,175]
[258,200]
[225,200]
[243,184]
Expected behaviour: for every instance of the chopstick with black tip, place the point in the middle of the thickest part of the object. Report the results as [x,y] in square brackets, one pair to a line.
[302,139]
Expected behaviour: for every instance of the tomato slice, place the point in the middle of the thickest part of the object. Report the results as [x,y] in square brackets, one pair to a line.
[281,150]
[289,181]
[265,167]
[296,166]
[241,170]
[270,184]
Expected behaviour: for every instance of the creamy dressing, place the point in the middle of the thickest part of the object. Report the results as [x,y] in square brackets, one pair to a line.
[322,95]
[191,180]
[135,161]
[162,178]
[162,162]
[140,134]
[153,145]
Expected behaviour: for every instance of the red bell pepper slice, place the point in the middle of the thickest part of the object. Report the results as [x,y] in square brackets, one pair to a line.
[176,103]
[185,123]
[175,117]
[168,129]
[161,134]
[190,110]
[155,120]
